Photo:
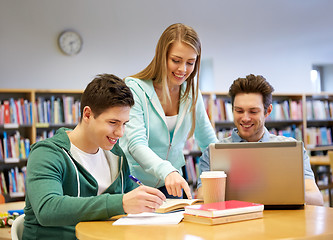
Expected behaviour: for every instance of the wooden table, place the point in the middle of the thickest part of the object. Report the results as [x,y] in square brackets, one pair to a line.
[312,222]
[5,232]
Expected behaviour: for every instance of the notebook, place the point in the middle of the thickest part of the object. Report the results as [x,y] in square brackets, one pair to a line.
[174,204]
[270,173]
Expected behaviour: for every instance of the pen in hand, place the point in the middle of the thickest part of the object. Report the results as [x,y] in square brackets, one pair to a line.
[134,179]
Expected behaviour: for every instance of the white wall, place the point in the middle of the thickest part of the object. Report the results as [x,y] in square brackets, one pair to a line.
[279,39]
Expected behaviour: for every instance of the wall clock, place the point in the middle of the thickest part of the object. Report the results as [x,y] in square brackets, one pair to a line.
[70,42]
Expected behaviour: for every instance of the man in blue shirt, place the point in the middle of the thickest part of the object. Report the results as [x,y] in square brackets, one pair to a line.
[251,99]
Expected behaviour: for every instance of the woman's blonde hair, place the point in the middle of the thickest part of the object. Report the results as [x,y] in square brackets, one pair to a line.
[157,69]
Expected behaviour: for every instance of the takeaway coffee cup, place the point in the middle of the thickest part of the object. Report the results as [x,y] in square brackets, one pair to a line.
[213,186]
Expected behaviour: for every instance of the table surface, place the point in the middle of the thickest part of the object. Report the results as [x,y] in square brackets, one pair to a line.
[312,222]
[5,232]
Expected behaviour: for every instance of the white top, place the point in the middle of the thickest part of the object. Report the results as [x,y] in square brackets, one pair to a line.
[96,164]
[171,122]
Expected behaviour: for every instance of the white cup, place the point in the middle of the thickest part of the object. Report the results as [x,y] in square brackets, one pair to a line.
[213,186]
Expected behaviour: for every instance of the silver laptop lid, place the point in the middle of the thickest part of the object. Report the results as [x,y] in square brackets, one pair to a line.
[270,173]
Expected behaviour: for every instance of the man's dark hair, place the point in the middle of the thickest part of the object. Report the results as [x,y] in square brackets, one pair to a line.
[105,91]
[252,84]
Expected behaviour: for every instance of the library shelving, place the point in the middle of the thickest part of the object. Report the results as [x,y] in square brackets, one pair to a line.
[319,121]
[27,116]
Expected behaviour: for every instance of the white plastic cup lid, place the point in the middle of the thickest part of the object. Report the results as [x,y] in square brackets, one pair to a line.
[213,174]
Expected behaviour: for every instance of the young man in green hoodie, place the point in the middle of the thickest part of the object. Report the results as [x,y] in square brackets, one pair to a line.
[82,174]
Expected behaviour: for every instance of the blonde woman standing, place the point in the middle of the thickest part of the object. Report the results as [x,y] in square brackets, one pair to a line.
[168,110]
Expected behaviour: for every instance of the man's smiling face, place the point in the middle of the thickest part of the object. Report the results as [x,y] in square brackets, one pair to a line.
[249,115]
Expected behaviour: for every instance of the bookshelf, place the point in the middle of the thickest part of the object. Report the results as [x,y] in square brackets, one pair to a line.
[27,116]
[319,121]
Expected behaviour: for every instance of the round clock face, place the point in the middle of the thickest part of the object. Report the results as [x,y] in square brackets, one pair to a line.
[70,42]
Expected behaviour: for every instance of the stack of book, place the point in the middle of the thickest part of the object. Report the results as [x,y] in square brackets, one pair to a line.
[223,212]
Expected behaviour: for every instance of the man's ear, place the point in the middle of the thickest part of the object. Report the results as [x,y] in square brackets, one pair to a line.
[87,113]
[269,110]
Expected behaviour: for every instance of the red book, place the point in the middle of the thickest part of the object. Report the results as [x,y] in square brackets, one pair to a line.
[225,208]
[6,111]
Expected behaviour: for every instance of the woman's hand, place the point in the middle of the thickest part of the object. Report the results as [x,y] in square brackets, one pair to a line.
[174,184]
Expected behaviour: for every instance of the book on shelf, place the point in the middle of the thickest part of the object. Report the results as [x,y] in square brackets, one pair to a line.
[285,110]
[57,110]
[224,219]
[12,111]
[6,111]
[280,111]
[45,134]
[23,113]
[3,185]
[171,204]
[16,180]
[296,112]
[228,112]
[290,131]
[5,147]
[319,109]
[309,110]
[15,111]
[190,168]
[225,208]
[318,136]
[219,109]
[22,149]
[15,147]
[1,152]
[216,110]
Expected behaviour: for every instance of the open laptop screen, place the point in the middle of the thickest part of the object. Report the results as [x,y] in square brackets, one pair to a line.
[270,173]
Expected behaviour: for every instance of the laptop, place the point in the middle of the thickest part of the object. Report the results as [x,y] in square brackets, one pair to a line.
[270,173]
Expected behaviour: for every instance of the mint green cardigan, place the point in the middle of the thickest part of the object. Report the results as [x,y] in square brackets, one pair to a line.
[60,193]
[151,152]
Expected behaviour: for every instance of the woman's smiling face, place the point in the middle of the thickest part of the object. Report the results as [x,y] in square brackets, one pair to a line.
[180,62]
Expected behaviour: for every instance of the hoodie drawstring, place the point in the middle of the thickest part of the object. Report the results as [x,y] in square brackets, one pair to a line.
[77,174]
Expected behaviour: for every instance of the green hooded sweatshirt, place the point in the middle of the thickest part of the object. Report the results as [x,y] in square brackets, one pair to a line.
[60,193]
